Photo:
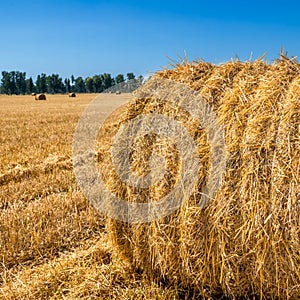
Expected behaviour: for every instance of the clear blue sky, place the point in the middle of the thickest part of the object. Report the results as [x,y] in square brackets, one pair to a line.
[87,37]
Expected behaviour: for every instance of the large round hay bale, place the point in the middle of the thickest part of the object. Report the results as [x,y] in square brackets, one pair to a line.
[72,95]
[40,97]
[246,242]
[33,94]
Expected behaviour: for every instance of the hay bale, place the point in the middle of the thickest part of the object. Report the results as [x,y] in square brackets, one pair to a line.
[118,92]
[40,97]
[33,94]
[72,95]
[246,242]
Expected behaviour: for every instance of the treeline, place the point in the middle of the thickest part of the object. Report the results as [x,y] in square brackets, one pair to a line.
[15,82]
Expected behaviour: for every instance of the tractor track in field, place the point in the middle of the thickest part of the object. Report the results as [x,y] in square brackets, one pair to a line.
[51,163]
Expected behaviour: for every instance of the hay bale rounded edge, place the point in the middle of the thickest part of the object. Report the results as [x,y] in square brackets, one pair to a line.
[40,97]
[246,242]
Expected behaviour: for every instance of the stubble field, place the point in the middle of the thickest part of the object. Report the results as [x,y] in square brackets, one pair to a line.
[53,243]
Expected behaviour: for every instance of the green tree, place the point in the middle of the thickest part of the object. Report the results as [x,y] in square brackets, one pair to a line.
[38,84]
[12,83]
[30,88]
[55,84]
[41,83]
[67,85]
[130,76]
[5,83]
[119,78]
[50,85]
[140,79]
[79,85]
[89,83]
[97,81]
[20,82]
[72,83]
[107,81]
[15,82]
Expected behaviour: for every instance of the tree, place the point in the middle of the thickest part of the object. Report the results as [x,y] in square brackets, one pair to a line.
[38,83]
[79,85]
[12,82]
[15,82]
[30,88]
[41,83]
[67,85]
[140,79]
[55,84]
[130,76]
[20,82]
[5,83]
[89,83]
[97,81]
[72,83]
[119,78]
[107,81]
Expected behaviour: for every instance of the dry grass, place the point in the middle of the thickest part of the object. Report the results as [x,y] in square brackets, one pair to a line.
[53,244]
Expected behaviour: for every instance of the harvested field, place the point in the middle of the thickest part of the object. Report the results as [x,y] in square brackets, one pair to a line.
[53,244]
[243,245]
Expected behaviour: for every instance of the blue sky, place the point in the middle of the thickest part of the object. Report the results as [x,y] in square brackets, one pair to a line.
[87,37]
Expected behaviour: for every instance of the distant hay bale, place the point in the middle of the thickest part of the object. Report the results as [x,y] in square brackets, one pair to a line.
[118,92]
[40,97]
[33,94]
[72,95]
[246,242]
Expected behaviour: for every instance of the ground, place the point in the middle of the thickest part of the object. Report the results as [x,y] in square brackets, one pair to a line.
[53,243]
